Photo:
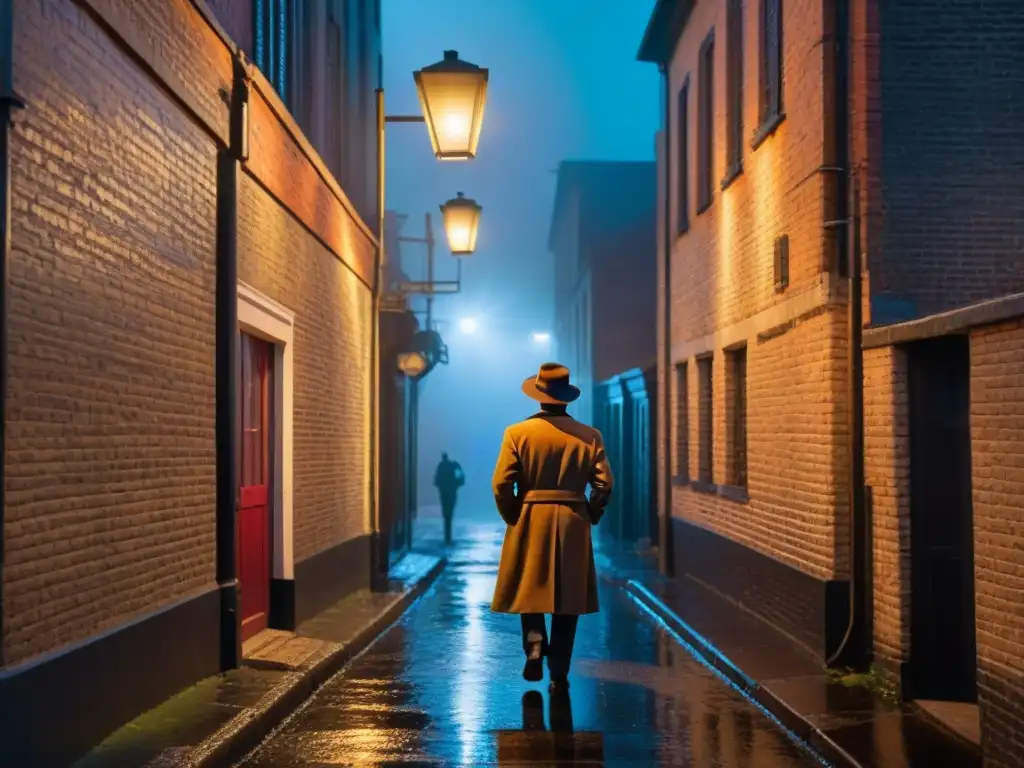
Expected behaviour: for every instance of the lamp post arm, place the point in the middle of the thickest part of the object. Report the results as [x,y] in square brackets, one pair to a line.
[405,119]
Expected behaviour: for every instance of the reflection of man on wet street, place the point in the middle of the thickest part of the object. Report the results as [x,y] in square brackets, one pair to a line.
[547,561]
[448,478]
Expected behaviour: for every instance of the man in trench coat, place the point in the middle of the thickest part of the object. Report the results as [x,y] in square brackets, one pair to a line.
[547,560]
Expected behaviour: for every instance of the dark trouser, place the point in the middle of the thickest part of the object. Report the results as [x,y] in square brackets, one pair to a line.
[563,638]
[447,512]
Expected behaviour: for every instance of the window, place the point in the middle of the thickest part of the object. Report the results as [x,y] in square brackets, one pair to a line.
[682,469]
[771,62]
[705,406]
[683,163]
[734,90]
[705,122]
[736,397]
[781,263]
[273,44]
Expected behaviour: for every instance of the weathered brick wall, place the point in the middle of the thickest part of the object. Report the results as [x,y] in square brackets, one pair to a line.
[723,293]
[887,473]
[795,457]
[997,455]
[279,258]
[110,418]
[952,145]
[302,247]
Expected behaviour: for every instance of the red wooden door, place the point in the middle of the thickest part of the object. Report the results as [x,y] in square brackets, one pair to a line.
[254,477]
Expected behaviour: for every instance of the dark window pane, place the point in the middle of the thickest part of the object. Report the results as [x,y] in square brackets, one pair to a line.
[734,77]
[682,182]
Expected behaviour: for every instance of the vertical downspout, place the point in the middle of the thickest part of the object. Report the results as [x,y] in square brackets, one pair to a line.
[666,560]
[378,548]
[852,648]
[8,103]
[229,162]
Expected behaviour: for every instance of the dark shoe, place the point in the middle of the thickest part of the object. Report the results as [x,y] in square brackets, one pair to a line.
[559,684]
[533,670]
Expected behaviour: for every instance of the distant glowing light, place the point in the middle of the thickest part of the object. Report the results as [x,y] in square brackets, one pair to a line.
[541,337]
[467,325]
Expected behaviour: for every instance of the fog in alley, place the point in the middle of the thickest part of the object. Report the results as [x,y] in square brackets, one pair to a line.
[565,85]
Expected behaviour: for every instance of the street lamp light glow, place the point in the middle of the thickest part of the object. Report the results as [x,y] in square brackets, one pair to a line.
[467,324]
[461,221]
[452,95]
[541,337]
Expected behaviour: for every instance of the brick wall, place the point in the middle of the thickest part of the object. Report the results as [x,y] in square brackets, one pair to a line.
[301,242]
[280,258]
[951,148]
[110,462]
[723,294]
[110,418]
[997,432]
[887,473]
[796,511]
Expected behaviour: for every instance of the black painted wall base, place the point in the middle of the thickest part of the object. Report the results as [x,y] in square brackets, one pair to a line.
[327,577]
[282,604]
[54,711]
[812,611]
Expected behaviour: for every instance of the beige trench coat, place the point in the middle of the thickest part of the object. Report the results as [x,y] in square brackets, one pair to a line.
[547,562]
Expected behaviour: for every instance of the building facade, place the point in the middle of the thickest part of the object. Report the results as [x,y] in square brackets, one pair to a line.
[188,345]
[602,240]
[795,135]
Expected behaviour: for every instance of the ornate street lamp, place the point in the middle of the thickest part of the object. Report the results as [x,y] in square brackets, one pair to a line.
[452,94]
[425,350]
[461,221]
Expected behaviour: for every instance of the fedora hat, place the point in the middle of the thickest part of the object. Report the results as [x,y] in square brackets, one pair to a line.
[551,385]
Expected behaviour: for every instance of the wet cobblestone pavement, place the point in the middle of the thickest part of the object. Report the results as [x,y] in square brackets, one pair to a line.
[444,687]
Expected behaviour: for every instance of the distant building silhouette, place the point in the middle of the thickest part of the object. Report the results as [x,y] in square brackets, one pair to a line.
[604,246]
[604,243]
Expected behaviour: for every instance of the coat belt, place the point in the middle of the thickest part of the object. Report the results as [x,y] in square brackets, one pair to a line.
[553,496]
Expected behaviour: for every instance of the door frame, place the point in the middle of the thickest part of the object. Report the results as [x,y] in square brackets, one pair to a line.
[264,318]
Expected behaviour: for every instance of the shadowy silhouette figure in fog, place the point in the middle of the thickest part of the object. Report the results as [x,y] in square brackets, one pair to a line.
[547,559]
[448,477]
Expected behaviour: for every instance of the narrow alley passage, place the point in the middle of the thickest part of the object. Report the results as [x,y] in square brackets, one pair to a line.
[444,687]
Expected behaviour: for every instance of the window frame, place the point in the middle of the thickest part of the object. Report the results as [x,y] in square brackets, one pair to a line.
[734,63]
[683,160]
[706,420]
[771,67]
[706,123]
[682,423]
[737,466]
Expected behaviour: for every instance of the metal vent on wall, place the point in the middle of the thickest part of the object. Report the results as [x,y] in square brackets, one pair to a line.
[781,263]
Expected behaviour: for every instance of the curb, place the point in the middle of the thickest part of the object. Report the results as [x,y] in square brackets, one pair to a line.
[803,729]
[246,731]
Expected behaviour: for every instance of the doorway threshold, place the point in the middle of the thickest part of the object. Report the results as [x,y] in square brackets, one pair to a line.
[962,718]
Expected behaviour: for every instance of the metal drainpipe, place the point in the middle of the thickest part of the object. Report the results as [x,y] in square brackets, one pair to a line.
[8,104]
[666,562]
[378,553]
[853,647]
[229,162]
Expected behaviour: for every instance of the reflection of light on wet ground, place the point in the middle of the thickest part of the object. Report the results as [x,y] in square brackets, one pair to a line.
[472,676]
[443,687]
[663,625]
